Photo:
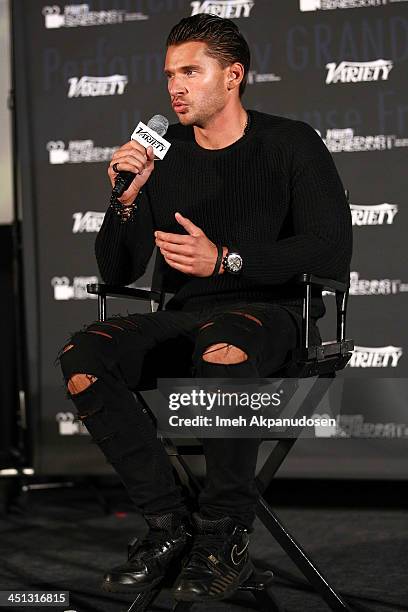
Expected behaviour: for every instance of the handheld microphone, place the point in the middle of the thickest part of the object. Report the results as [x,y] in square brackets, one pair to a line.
[157,124]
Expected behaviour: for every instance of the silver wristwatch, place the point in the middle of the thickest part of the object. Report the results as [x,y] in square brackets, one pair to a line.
[232,262]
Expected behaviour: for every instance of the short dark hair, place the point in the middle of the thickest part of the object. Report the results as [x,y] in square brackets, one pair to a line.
[224,40]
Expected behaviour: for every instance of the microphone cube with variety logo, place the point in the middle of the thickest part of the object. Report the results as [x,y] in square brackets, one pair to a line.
[148,137]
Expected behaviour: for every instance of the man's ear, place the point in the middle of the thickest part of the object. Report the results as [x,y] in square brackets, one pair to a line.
[235,75]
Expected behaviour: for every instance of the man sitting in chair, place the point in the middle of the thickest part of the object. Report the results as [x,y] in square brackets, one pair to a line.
[242,202]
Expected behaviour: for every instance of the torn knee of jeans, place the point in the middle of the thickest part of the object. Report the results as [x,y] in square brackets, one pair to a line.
[100,333]
[132,323]
[99,327]
[61,351]
[227,354]
[206,325]
[79,379]
[121,323]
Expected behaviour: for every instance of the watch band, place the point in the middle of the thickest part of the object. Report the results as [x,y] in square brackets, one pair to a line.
[218,262]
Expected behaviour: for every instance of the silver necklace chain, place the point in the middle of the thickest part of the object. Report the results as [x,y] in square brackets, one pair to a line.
[247,124]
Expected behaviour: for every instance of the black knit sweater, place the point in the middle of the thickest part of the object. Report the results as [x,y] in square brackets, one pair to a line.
[274,195]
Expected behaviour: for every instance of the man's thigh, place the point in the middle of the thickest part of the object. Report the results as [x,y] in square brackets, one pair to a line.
[282,327]
[147,346]
[267,333]
[141,347]
[281,337]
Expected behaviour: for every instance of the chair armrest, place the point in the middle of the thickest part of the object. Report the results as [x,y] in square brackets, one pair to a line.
[327,283]
[120,291]
[341,291]
[103,291]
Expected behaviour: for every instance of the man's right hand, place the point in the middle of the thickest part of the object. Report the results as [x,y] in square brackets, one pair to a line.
[133,157]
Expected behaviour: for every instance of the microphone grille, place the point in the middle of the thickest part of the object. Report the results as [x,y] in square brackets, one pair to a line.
[159,124]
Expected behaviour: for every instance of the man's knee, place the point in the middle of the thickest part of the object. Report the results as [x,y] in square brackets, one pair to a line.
[78,382]
[224,353]
[79,362]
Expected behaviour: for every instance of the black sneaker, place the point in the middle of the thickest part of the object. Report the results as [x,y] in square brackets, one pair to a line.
[168,538]
[218,562]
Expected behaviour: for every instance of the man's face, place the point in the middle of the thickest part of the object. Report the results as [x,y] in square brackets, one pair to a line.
[197,83]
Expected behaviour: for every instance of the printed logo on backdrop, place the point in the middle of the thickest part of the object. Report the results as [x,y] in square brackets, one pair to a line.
[88,86]
[63,290]
[79,151]
[375,357]
[256,77]
[330,5]
[383,286]
[355,426]
[374,214]
[74,15]
[343,140]
[358,72]
[229,9]
[89,221]
[68,425]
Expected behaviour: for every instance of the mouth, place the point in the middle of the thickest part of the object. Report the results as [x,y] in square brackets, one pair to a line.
[179,107]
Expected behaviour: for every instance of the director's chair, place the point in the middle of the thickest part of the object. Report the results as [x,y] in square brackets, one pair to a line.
[321,361]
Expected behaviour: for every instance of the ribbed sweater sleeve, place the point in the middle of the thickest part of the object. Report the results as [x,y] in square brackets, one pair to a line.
[322,231]
[123,250]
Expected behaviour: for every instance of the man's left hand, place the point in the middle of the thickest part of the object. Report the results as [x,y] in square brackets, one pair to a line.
[194,254]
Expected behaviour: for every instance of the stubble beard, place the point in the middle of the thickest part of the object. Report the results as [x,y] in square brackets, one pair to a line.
[200,118]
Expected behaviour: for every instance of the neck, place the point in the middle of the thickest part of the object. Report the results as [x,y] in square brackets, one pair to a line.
[222,129]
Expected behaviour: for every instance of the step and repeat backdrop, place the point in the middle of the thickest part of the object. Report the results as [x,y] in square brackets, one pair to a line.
[86,73]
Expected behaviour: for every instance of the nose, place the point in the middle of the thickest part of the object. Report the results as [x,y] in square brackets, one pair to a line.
[175,86]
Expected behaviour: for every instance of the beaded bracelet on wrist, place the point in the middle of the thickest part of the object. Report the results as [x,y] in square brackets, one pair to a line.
[125,212]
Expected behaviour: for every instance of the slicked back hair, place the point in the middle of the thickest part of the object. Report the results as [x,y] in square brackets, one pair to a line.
[224,40]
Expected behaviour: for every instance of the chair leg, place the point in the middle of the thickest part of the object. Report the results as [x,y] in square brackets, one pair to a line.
[143,600]
[259,585]
[186,476]
[299,557]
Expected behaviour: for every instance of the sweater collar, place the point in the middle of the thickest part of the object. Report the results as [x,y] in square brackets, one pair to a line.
[187,133]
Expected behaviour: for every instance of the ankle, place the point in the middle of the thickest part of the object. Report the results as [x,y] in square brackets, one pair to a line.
[203,524]
[225,519]
[167,521]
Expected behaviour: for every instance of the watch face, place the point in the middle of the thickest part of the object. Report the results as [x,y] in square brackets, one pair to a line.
[234,262]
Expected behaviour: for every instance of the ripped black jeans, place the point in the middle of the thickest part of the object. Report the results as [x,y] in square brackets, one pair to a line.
[126,353]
